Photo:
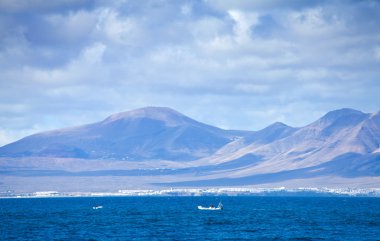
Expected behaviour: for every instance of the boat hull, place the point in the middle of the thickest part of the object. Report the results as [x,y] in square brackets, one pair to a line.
[209,208]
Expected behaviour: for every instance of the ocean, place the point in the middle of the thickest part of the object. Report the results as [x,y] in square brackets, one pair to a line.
[177,218]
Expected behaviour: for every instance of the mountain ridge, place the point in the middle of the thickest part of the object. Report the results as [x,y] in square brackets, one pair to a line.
[158,130]
[167,147]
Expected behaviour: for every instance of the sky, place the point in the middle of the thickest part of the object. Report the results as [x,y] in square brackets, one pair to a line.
[234,64]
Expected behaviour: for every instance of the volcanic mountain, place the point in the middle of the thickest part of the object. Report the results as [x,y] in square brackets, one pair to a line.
[343,143]
[142,134]
[157,145]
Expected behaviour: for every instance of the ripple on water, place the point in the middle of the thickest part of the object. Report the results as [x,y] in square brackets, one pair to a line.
[177,218]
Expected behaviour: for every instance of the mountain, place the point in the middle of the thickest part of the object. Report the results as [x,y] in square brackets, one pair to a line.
[142,134]
[159,146]
[342,143]
[270,134]
[336,133]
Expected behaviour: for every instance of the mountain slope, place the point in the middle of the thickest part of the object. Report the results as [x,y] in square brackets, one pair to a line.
[147,133]
[334,135]
[164,147]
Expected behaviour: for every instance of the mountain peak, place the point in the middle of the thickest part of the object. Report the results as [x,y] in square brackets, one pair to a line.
[342,113]
[336,120]
[163,114]
[277,124]
[275,131]
[151,133]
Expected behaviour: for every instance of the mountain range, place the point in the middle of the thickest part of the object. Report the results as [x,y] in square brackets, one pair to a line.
[158,146]
[142,134]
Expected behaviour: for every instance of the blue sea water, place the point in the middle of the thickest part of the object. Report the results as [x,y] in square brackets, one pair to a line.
[177,218]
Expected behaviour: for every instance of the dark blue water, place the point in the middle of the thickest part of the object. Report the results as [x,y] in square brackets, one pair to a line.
[177,218]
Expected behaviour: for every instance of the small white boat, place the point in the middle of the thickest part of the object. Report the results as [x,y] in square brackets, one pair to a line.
[219,207]
[97,207]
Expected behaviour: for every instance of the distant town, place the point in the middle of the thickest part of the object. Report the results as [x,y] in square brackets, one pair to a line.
[276,191]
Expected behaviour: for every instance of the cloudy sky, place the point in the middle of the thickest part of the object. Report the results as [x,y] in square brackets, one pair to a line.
[234,64]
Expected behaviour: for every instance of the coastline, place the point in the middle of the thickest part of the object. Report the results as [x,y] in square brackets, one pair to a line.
[191,192]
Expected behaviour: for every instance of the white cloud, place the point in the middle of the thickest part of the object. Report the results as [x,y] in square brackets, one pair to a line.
[377,53]
[77,71]
[309,22]
[72,26]
[250,63]
[208,28]
[258,5]
[93,54]
[252,88]
[186,9]
[117,29]
[244,23]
